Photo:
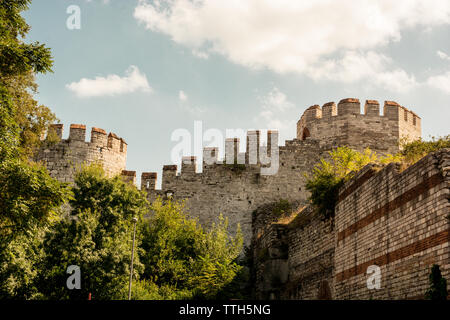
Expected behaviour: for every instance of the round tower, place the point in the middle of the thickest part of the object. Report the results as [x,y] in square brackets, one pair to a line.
[66,156]
[345,125]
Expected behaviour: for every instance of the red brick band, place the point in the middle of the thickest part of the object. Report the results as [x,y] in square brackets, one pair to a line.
[402,199]
[416,247]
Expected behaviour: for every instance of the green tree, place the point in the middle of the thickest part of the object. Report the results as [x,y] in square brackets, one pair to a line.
[30,202]
[438,285]
[29,198]
[22,120]
[97,237]
[17,56]
[31,118]
[184,260]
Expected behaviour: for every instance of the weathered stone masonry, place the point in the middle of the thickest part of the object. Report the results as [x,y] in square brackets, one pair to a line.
[63,158]
[398,221]
[237,193]
[394,219]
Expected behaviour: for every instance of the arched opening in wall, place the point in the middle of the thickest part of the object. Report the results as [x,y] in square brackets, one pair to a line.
[305,133]
[324,291]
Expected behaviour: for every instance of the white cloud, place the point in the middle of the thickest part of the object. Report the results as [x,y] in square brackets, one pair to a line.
[370,66]
[440,82]
[182,96]
[276,113]
[297,36]
[111,85]
[443,55]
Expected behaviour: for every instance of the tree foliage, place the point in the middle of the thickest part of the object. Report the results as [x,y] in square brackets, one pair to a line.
[22,119]
[438,285]
[96,237]
[19,57]
[183,259]
[175,257]
[29,198]
[330,174]
[416,150]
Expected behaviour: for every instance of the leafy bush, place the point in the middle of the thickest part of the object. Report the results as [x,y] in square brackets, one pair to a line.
[281,208]
[30,203]
[438,285]
[329,175]
[416,150]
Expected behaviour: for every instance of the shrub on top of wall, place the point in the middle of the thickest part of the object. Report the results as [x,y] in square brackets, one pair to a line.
[329,175]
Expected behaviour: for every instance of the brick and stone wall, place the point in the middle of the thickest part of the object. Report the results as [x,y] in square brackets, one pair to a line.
[311,257]
[398,221]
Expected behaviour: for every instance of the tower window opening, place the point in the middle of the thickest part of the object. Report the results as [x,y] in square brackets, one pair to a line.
[305,134]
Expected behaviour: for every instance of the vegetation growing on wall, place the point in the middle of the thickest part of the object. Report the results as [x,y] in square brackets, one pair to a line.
[329,175]
[416,150]
[438,285]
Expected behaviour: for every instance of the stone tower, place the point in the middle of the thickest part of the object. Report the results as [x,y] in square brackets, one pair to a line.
[63,158]
[345,125]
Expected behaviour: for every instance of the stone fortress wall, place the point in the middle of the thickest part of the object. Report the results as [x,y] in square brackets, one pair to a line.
[398,221]
[310,257]
[345,125]
[63,158]
[236,192]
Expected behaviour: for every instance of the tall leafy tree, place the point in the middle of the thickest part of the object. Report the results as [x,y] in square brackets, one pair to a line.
[22,119]
[183,259]
[29,198]
[96,237]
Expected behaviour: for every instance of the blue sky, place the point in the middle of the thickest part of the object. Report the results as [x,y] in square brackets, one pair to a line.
[143,69]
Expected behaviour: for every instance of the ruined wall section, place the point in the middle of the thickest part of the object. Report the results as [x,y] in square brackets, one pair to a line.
[398,221]
[310,257]
[270,256]
[295,260]
[345,125]
[63,158]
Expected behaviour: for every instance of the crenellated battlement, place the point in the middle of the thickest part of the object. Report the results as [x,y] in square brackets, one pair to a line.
[343,124]
[99,137]
[233,163]
[238,183]
[352,106]
[65,156]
